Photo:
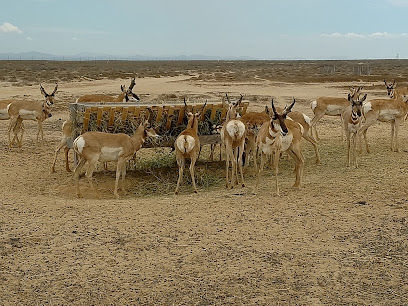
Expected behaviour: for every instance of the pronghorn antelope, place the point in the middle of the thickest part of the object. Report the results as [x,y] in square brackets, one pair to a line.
[187,145]
[233,137]
[279,135]
[124,96]
[253,121]
[352,117]
[30,110]
[395,92]
[66,135]
[216,130]
[384,110]
[19,127]
[331,106]
[104,147]
[4,116]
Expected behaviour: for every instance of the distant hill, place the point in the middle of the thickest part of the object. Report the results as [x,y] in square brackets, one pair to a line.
[86,56]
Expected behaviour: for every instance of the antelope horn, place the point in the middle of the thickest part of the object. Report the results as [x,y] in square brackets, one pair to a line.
[205,104]
[287,110]
[43,90]
[228,99]
[273,108]
[240,100]
[55,90]
[132,83]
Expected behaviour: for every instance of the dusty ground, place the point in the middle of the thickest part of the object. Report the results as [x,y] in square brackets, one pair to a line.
[340,239]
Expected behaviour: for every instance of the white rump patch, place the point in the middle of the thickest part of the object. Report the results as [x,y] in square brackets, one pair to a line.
[333,110]
[185,143]
[307,119]
[367,107]
[235,128]
[27,115]
[79,144]
[388,114]
[110,153]
[313,104]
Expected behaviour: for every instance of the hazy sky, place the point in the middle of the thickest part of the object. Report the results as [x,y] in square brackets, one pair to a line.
[261,29]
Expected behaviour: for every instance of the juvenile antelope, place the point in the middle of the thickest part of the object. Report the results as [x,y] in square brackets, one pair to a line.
[233,137]
[66,135]
[352,117]
[187,145]
[20,110]
[384,110]
[253,121]
[395,92]
[105,147]
[331,106]
[124,96]
[279,135]
[19,127]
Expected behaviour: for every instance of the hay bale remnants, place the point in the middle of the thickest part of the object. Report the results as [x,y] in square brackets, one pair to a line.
[167,119]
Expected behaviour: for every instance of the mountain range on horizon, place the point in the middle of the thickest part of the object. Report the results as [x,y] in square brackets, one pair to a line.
[89,56]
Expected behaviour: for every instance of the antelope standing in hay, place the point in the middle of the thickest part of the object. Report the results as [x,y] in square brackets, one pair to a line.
[66,135]
[233,137]
[352,118]
[384,110]
[105,147]
[279,135]
[187,145]
[124,96]
[331,106]
[20,110]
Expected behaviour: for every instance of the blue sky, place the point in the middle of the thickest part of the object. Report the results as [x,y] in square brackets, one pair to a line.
[260,29]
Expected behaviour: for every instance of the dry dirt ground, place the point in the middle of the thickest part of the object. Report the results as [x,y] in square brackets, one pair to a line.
[340,239]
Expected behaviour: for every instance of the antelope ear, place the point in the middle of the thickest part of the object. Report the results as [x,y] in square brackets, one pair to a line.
[122,88]
[363,99]
[349,97]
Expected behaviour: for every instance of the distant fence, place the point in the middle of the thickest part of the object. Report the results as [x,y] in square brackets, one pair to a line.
[362,70]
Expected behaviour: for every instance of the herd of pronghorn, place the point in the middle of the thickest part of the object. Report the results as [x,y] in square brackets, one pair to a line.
[269,133]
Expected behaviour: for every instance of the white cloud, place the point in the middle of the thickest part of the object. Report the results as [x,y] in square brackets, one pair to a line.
[74,38]
[376,35]
[29,38]
[9,28]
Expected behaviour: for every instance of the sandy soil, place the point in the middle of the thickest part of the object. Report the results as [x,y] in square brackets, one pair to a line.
[340,239]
